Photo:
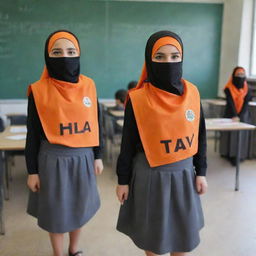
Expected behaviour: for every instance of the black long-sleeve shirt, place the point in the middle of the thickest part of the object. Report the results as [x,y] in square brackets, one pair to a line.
[230,110]
[36,134]
[131,143]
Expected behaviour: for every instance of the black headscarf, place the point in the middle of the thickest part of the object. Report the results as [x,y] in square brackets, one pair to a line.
[62,68]
[165,76]
[238,81]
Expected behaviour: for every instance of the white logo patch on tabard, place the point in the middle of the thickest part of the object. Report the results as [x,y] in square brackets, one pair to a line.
[87,102]
[190,115]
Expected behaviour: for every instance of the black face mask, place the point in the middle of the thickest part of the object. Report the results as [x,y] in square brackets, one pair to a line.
[167,76]
[64,68]
[238,81]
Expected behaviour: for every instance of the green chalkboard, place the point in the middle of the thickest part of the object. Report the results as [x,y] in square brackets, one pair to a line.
[112,35]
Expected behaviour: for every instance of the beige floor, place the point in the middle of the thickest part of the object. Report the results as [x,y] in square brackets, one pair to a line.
[230,217]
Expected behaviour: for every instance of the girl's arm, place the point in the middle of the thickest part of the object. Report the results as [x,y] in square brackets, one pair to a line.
[98,150]
[130,140]
[33,137]
[199,159]
[231,109]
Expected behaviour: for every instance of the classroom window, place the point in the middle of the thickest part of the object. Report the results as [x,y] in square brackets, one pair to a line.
[253,56]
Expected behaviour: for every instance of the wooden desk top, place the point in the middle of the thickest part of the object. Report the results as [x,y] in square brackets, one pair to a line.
[120,122]
[220,102]
[218,124]
[108,104]
[10,144]
[117,113]
[226,124]
[15,114]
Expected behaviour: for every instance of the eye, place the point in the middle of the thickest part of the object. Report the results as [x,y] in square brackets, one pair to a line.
[56,52]
[175,56]
[72,52]
[158,57]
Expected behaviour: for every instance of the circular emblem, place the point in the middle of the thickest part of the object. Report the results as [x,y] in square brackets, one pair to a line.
[87,102]
[190,115]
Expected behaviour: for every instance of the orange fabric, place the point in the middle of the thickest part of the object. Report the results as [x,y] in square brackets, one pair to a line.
[171,132]
[238,95]
[165,41]
[64,35]
[68,111]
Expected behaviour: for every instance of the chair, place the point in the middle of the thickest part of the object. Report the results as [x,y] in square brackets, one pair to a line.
[14,120]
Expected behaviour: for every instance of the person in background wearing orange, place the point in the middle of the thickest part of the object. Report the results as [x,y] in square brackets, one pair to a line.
[64,144]
[164,139]
[238,96]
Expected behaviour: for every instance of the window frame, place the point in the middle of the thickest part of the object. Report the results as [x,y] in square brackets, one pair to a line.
[253,44]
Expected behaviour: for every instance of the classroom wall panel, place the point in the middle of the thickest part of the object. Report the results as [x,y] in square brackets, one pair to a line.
[112,37]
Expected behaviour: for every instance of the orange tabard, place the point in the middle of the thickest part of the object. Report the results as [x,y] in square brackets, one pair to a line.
[168,124]
[68,112]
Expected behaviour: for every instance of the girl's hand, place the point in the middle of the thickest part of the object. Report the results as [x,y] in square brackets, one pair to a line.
[122,192]
[33,182]
[235,119]
[98,166]
[201,185]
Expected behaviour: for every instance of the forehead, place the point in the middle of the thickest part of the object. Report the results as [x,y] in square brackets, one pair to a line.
[239,72]
[63,43]
[167,49]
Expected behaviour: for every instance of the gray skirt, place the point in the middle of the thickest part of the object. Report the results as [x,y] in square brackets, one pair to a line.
[228,141]
[68,195]
[163,212]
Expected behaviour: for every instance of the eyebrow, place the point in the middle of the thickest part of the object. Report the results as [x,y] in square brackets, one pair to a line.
[71,48]
[161,53]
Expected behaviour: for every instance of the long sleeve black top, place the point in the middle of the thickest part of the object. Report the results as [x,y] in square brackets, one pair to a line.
[230,110]
[36,134]
[131,143]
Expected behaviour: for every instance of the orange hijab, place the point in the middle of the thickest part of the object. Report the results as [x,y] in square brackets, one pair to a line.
[238,95]
[68,111]
[168,124]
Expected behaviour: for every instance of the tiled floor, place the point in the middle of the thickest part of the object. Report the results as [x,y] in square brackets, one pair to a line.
[230,217]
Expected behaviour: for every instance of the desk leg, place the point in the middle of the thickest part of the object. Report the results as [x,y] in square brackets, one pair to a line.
[5,176]
[215,141]
[2,225]
[238,160]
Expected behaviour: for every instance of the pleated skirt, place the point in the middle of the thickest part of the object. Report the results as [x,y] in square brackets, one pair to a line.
[229,140]
[163,212]
[68,196]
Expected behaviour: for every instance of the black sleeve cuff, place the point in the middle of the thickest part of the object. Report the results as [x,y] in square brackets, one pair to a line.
[123,180]
[32,172]
[97,153]
[201,172]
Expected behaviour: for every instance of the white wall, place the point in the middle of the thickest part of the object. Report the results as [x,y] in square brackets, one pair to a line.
[236,38]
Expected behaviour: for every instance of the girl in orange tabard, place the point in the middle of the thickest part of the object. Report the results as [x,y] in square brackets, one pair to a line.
[164,139]
[63,147]
[238,96]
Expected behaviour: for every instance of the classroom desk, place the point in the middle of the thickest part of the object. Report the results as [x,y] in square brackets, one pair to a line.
[107,103]
[8,145]
[120,122]
[116,113]
[220,102]
[224,124]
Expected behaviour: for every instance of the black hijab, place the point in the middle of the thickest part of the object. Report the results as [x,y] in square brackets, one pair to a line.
[62,68]
[165,76]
